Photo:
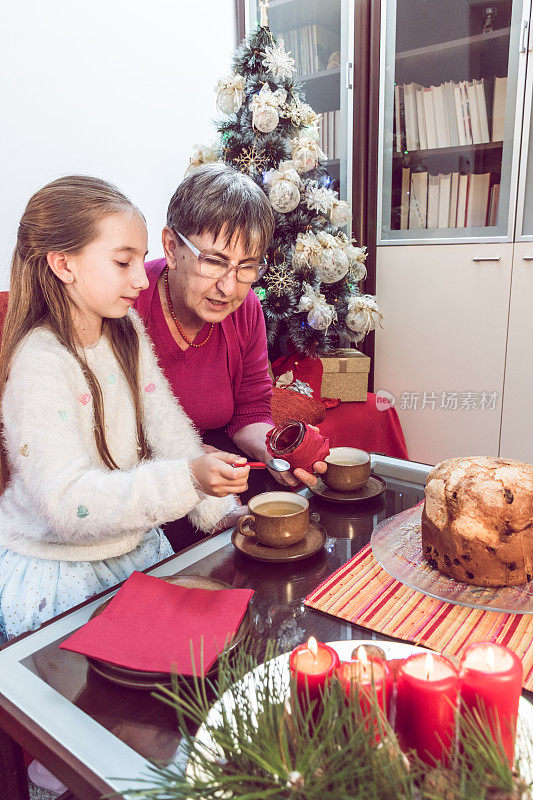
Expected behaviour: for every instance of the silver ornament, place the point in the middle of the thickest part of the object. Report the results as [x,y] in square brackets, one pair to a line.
[284,196]
[265,119]
[320,317]
[229,101]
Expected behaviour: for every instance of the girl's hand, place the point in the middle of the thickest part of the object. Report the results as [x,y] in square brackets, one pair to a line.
[230,520]
[215,475]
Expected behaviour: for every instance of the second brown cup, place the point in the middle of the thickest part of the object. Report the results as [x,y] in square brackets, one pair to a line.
[277,519]
[348,469]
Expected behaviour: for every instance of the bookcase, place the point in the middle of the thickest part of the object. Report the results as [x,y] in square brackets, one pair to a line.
[454,263]
[319,36]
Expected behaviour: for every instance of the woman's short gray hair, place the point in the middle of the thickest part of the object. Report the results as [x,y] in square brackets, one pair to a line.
[217,198]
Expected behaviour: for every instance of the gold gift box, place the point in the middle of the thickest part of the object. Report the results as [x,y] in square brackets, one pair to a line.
[345,374]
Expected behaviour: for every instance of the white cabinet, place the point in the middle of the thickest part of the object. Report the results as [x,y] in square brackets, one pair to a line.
[441,351]
[452,277]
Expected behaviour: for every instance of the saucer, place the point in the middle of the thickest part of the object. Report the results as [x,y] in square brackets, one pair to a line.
[137,679]
[314,540]
[372,488]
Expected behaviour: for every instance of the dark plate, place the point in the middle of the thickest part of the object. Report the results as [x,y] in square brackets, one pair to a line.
[373,488]
[138,679]
[314,540]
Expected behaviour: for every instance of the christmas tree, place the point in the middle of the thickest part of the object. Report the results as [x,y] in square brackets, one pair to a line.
[309,294]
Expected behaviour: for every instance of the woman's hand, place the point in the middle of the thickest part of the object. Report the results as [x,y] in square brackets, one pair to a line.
[300,475]
[215,475]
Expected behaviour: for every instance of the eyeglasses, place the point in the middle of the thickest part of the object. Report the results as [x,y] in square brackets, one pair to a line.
[216,268]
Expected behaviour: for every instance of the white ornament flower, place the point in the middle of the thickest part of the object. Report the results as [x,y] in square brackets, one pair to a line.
[302,115]
[203,154]
[319,198]
[279,63]
[230,93]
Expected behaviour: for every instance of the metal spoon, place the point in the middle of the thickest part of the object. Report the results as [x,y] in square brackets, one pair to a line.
[277,464]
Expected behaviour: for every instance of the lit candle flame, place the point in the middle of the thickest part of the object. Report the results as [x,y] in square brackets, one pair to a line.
[428,666]
[312,646]
[489,657]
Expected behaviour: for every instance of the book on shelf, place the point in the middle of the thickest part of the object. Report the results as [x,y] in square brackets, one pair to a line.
[418,200]
[454,190]
[404,201]
[498,109]
[451,114]
[477,200]
[449,200]
[421,119]
[329,133]
[492,217]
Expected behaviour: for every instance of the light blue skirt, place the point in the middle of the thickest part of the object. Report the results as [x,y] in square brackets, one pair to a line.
[33,590]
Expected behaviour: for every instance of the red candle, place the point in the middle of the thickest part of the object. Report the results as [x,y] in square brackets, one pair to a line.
[428,687]
[312,664]
[361,677]
[491,682]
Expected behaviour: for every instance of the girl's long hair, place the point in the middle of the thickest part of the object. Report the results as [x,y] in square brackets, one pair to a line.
[63,217]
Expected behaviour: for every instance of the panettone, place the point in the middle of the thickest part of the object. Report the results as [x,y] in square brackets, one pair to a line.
[477,520]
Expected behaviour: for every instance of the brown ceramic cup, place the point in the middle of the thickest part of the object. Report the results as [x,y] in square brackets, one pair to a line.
[348,469]
[277,519]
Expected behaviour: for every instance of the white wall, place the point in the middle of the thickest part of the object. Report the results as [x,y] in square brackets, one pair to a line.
[119,89]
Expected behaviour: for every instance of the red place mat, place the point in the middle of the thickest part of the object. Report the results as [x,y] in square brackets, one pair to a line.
[149,625]
[363,593]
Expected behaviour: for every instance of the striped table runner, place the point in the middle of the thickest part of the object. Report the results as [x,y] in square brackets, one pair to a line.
[363,593]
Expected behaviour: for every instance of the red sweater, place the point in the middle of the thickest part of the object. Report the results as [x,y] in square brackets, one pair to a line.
[225,382]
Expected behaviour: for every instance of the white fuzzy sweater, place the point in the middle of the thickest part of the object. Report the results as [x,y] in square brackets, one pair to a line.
[62,503]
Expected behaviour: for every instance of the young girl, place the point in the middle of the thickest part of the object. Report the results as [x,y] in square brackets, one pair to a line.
[97,452]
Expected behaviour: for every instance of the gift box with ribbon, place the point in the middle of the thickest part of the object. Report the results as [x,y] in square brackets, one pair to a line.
[345,374]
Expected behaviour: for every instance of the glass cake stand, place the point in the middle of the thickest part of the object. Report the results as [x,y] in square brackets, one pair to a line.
[397,546]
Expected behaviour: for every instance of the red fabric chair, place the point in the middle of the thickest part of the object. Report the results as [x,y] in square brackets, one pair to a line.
[357,424]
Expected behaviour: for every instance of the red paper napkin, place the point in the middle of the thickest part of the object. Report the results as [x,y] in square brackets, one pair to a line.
[149,625]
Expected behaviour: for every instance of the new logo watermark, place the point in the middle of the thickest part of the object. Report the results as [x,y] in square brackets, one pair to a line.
[446,401]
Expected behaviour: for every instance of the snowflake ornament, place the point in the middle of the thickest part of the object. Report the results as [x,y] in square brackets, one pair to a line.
[319,198]
[280,279]
[279,63]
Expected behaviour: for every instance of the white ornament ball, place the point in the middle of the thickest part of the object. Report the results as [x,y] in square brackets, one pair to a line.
[358,271]
[229,101]
[284,196]
[320,317]
[266,119]
[359,321]
[341,213]
[304,159]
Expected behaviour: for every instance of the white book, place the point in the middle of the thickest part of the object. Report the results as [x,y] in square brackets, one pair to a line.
[459,114]
[498,109]
[337,133]
[494,202]
[450,113]
[454,188]
[466,112]
[445,185]
[478,200]
[422,135]
[433,202]
[398,133]
[482,108]
[411,118]
[441,120]
[404,203]
[462,196]
[473,110]
[418,200]
[429,115]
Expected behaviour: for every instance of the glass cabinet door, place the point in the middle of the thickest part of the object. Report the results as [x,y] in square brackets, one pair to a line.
[524,222]
[318,34]
[450,121]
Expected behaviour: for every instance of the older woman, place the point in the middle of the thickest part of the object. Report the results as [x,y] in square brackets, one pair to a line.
[203,316]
